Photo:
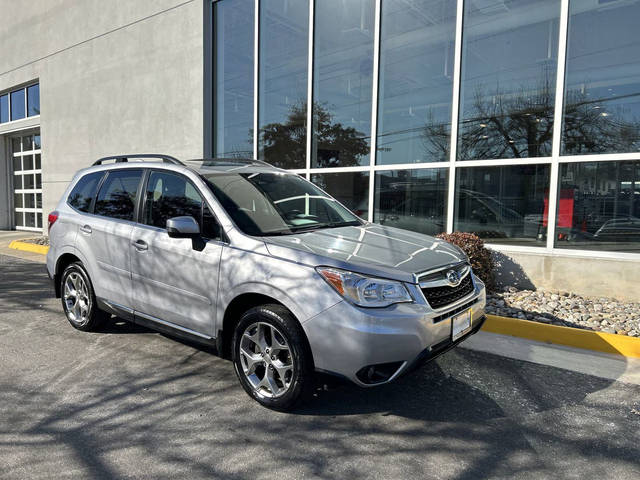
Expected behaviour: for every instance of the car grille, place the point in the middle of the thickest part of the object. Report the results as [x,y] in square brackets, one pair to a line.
[439,297]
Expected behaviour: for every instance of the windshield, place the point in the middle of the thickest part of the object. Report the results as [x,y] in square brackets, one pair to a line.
[276,203]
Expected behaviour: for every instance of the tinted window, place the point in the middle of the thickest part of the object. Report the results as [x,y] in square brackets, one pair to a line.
[33,100]
[233,77]
[503,204]
[349,188]
[282,114]
[509,61]
[416,80]
[85,190]
[169,195]
[276,203]
[602,92]
[599,206]
[4,108]
[342,82]
[17,105]
[412,199]
[117,197]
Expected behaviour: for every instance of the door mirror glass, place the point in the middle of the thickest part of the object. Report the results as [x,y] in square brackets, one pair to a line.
[183,227]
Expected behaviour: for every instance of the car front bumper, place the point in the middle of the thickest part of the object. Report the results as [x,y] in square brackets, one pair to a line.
[347,340]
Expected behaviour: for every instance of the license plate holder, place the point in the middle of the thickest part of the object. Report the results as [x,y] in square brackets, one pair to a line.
[460,324]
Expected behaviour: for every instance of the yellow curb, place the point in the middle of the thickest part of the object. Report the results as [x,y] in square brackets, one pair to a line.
[29,247]
[572,337]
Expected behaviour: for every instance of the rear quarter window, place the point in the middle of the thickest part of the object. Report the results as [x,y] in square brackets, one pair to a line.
[84,192]
[117,195]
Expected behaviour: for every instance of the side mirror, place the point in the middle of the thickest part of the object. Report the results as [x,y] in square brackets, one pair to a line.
[183,227]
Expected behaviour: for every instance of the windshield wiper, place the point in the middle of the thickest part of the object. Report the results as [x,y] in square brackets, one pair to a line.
[318,226]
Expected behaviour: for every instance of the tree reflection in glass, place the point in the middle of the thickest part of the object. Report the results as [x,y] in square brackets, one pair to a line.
[508,79]
[343,80]
[602,93]
[285,143]
[282,90]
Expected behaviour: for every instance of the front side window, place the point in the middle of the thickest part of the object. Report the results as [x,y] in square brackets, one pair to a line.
[117,196]
[83,193]
[276,203]
[169,195]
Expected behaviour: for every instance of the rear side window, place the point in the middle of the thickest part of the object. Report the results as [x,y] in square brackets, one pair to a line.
[84,192]
[117,196]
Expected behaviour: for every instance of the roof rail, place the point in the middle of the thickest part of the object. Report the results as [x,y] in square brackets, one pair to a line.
[211,162]
[126,158]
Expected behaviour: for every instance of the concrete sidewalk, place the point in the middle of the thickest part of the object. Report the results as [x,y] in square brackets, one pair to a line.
[588,362]
[7,236]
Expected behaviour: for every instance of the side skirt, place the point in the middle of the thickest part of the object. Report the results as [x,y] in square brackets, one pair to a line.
[154,323]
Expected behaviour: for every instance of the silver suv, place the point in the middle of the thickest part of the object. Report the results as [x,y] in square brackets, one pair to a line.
[262,264]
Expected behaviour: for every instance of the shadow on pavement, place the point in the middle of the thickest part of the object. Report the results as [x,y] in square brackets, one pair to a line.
[129,402]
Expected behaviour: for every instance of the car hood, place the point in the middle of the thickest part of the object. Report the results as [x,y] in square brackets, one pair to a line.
[371,249]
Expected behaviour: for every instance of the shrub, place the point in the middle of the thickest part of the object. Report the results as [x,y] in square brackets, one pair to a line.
[479,256]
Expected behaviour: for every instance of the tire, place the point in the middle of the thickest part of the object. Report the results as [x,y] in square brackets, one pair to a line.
[272,358]
[78,299]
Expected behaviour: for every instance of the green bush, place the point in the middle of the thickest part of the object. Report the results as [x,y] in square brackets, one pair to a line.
[479,256]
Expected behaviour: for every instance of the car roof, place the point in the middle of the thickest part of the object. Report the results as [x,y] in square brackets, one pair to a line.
[202,166]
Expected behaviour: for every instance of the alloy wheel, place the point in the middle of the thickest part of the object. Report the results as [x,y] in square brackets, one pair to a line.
[266,360]
[76,298]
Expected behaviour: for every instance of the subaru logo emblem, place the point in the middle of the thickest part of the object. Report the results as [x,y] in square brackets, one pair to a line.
[453,278]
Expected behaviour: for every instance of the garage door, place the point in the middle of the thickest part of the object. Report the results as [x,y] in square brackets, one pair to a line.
[27,182]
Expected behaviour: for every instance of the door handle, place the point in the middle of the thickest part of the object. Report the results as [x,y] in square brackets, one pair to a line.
[140,245]
[86,229]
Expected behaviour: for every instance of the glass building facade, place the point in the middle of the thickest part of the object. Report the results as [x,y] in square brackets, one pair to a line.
[518,120]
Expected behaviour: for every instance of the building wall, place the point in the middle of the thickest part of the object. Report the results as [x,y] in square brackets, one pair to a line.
[584,275]
[115,77]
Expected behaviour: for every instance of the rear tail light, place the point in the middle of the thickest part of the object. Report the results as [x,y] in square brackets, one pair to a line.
[53,216]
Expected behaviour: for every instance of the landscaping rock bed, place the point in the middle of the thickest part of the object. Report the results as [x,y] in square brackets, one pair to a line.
[567,309]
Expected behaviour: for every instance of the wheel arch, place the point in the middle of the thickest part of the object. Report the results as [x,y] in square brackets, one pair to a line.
[63,262]
[234,310]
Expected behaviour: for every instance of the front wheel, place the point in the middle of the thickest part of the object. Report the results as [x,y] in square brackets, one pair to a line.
[78,300]
[272,358]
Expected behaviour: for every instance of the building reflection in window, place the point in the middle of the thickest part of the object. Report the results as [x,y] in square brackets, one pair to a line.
[412,199]
[282,92]
[416,78]
[509,63]
[343,79]
[599,206]
[602,93]
[507,205]
[233,78]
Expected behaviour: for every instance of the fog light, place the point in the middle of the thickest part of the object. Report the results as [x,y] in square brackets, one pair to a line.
[379,373]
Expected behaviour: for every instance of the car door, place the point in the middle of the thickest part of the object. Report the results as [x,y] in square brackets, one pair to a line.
[175,280]
[104,237]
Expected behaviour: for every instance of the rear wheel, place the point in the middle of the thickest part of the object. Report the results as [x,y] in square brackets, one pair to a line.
[271,357]
[78,299]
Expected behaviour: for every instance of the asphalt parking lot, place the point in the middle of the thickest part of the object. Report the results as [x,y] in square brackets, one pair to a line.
[128,402]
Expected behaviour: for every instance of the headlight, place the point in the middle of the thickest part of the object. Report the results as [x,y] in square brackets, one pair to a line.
[365,291]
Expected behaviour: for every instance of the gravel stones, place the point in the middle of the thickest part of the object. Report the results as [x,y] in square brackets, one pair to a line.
[567,309]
